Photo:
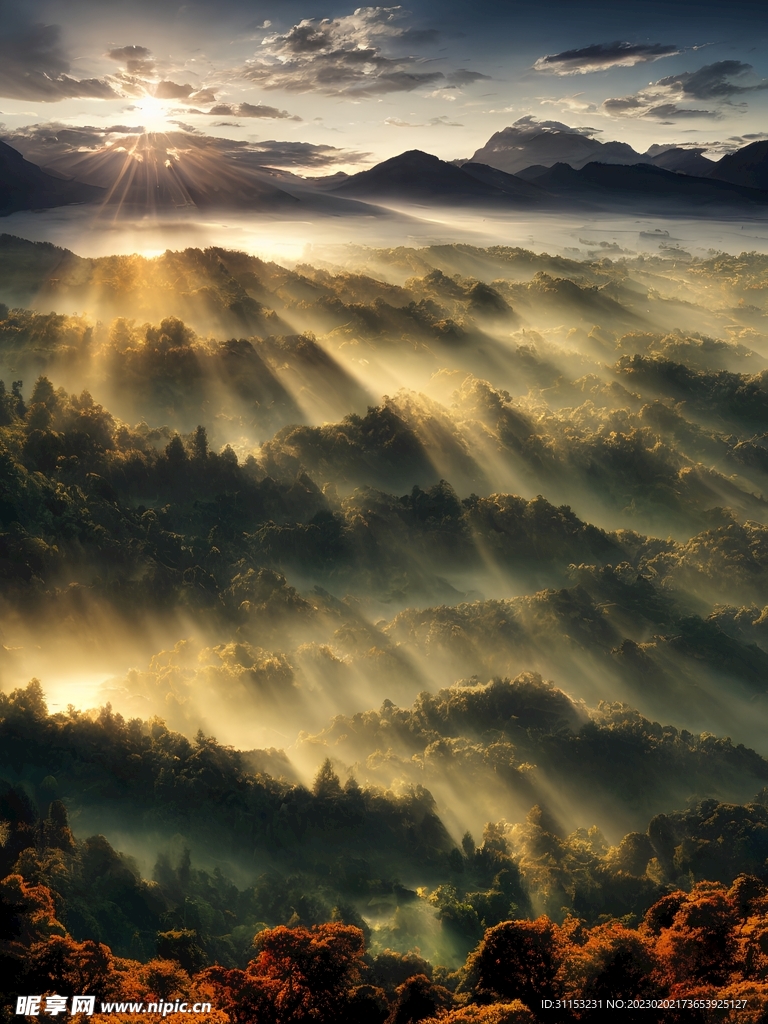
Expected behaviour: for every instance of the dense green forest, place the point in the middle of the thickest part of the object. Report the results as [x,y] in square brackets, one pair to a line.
[426,599]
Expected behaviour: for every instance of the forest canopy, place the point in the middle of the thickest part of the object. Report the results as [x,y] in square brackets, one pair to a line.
[396,628]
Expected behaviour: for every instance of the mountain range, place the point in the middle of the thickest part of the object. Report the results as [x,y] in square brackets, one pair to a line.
[522,145]
[416,176]
[554,169]
[419,178]
[526,145]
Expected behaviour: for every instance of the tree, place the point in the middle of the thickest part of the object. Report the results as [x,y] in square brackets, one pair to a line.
[199,444]
[302,974]
[326,782]
[418,999]
[61,964]
[700,943]
[498,1013]
[175,454]
[518,960]
[182,946]
[615,961]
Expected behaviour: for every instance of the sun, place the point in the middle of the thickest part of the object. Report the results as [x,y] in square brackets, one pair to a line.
[154,113]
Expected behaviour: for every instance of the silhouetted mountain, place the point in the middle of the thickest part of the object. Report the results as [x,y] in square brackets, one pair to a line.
[644,186]
[420,177]
[521,145]
[747,166]
[530,143]
[23,186]
[509,184]
[683,161]
[533,172]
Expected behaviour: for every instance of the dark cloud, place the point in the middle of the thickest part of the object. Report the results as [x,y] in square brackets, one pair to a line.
[641,106]
[33,66]
[600,56]
[54,145]
[464,77]
[40,142]
[714,81]
[251,110]
[123,53]
[124,129]
[137,59]
[352,56]
[666,110]
[623,105]
[300,154]
[172,91]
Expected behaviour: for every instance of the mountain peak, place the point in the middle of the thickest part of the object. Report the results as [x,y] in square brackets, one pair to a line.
[416,176]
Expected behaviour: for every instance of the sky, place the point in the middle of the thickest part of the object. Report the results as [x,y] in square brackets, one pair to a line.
[333,87]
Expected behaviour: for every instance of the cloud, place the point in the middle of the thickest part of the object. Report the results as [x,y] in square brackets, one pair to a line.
[126,53]
[251,110]
[51,144]
[575,104]
[720,83]
[464,77]
[433,122]
[137,59]
[646,104]
[203,96]
[54,138]
[714,81]
[344,56]
[301,154]
[528,126]
[172,91]
[667,110]
[601,56]
[33,66]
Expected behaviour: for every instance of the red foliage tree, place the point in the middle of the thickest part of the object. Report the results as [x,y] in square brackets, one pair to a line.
[519,960]
[299,975]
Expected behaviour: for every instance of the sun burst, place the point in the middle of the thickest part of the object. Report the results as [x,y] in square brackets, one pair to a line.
[155,113]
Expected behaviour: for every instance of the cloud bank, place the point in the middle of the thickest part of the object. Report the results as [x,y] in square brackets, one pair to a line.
[718,84]
[601,56]
[346,57]
[33,66]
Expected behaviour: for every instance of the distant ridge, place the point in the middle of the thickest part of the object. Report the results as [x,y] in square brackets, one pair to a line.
[529,143]
[418,177]
[517,147]
[644,185]
[23,186]
[422,179]
[747,166]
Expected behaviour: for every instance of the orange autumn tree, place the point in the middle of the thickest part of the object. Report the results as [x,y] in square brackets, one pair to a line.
[518,960]
[699,943]
[299,974]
